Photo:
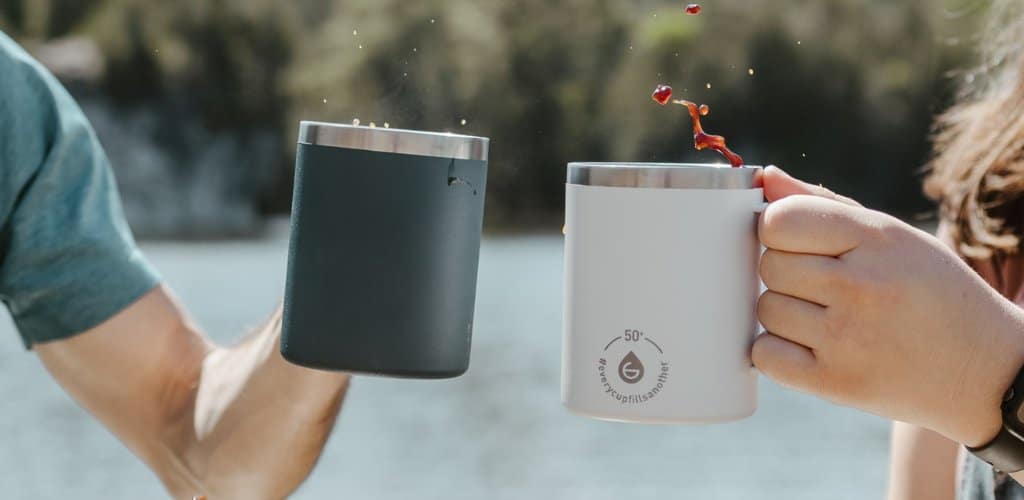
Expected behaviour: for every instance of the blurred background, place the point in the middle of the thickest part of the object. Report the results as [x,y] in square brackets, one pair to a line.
[198,101]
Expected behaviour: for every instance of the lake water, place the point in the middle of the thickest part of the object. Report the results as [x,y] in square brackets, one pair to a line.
[498,432]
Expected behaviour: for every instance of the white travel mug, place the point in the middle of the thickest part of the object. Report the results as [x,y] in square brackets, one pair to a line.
[661,287]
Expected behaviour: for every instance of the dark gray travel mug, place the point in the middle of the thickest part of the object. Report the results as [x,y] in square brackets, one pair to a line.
[385,241]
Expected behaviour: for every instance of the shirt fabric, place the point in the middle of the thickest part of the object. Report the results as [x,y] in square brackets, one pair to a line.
[978,481]
[68,261]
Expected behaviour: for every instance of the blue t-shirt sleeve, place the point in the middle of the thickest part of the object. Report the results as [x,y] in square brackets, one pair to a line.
[67,258]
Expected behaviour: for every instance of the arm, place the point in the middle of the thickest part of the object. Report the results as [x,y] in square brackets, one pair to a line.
[867,311]
[229,422]
[922,464]
[233,422]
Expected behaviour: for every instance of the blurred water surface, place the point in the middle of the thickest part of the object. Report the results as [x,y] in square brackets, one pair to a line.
[498,432]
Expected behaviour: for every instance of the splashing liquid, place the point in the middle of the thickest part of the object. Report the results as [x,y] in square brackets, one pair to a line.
[701,140]
[662,94]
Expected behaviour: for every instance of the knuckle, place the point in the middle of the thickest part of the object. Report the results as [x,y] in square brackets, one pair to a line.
[850,283]
[836,323]
[863,286]
[874,230]
[782,213]
[847,200]
[892,231]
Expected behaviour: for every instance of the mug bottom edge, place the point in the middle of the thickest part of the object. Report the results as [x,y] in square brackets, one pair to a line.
[661,419]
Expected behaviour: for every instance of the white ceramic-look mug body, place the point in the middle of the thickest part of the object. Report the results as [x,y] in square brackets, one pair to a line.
[661,287]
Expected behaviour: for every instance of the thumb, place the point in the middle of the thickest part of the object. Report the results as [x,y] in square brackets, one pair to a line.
[779,184]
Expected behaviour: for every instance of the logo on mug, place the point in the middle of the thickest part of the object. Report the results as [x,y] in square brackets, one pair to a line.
[631,370]
[629,348]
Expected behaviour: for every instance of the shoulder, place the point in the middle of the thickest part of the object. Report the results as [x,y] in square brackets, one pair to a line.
[30,99]
[38,118]
[25,81]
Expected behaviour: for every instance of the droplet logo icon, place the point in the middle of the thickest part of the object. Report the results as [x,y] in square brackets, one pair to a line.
[631,370]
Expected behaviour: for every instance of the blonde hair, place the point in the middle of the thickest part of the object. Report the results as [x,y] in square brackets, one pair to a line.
[977,172]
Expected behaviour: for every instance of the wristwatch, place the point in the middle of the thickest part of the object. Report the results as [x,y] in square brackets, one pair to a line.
[1006,451]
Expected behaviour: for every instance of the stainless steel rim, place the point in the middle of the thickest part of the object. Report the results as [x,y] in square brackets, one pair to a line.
[391,140]
[664,175]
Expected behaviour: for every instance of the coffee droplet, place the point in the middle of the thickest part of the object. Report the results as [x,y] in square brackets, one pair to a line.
[631,370]
[662,94]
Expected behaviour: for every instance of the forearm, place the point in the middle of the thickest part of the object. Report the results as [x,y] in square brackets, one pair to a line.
[259,423]
[235,422]
[922,464]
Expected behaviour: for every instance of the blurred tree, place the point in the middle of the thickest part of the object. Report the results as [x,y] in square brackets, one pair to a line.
[534,83]
[841,91]
[12,17]
[64,15]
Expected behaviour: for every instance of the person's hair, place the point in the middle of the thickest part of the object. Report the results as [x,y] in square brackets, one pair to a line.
[977,171]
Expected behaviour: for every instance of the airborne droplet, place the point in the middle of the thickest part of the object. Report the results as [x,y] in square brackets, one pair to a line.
[631,370]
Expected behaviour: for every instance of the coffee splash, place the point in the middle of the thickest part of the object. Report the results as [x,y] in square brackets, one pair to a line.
[701,139]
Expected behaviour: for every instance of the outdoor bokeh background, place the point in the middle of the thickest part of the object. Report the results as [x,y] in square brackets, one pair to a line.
[197,103]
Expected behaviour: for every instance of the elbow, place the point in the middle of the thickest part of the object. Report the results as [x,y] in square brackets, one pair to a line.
[173,435]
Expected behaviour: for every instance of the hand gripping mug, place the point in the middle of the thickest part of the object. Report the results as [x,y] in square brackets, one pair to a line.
[661,287]
[385,240]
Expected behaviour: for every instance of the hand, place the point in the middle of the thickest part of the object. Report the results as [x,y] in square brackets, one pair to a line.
[867,311]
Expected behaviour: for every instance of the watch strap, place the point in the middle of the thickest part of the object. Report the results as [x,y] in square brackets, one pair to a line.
[1005,452]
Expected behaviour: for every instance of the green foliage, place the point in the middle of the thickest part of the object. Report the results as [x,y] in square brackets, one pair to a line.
[843,91]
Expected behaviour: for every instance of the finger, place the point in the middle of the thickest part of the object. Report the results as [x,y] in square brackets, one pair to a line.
[804,276]
[789,364]
[811,225]
[778,185]
[790,318]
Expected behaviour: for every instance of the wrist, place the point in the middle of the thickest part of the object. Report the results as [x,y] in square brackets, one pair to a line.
[991,371]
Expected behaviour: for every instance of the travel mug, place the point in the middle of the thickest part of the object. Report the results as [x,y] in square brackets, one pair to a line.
[385,242]
[661,287]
